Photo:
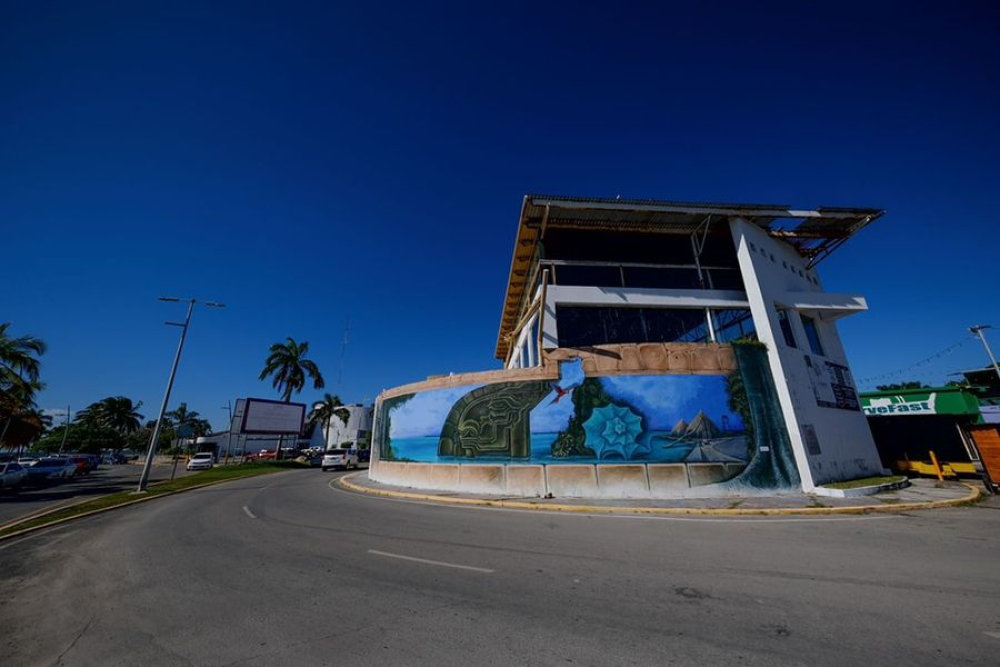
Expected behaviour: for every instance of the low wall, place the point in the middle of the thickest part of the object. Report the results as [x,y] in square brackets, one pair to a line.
[629,480]
[629,421]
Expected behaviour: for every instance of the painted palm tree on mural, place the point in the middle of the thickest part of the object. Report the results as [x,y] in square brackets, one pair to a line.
[324,411]
[288,369]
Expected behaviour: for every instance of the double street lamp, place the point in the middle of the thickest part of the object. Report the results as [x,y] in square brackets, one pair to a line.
[154,441]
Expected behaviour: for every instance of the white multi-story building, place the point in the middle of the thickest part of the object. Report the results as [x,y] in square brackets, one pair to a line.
[591,272]
[356,431]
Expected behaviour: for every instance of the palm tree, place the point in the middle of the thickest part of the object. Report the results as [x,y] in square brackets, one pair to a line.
[118,413]
[19,367]
[182,415]
[289,367]
[324,411]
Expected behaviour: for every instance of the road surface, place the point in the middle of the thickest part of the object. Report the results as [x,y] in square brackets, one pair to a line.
[285,570]
[52,495]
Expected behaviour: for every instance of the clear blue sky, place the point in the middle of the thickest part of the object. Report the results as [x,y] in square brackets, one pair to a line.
[305,162]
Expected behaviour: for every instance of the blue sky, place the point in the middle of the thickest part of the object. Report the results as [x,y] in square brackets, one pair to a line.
[310,162]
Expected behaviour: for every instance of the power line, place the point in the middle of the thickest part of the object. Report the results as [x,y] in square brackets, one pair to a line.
[923,362]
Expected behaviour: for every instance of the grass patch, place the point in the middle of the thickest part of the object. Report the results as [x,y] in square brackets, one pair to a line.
[865,481]
[219,474]
[733,504]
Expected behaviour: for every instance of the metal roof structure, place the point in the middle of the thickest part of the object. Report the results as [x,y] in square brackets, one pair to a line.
[814,233]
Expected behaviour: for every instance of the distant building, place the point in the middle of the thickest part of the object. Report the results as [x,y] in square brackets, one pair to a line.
[357,430]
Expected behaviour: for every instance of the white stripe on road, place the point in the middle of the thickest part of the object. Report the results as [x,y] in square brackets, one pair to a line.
[431,562]
[246,510]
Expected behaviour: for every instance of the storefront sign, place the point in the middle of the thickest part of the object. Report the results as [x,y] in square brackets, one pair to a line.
[900,405]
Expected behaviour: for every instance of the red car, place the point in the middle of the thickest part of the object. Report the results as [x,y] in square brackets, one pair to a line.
[84,464]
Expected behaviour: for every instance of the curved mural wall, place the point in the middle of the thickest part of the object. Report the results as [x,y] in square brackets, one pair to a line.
[590,432]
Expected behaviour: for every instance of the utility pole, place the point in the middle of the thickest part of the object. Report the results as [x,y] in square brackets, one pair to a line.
[154,441]
[65,432]
[229,429]
[978,330]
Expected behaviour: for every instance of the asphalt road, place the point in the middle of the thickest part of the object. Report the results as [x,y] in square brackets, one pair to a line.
[52,495]
[284,570]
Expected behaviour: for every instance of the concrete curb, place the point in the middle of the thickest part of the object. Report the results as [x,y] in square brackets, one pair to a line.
[860,491]
[345,483]
[144,499]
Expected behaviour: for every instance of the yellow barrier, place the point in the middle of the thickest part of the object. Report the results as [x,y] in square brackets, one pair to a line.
[927,468]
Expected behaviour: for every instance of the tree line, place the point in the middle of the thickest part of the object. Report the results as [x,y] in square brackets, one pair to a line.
[115,422]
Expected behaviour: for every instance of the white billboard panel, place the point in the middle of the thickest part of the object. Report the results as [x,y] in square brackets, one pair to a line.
[263,416]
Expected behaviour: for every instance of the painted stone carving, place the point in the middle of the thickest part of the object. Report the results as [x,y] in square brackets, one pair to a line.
[492,421]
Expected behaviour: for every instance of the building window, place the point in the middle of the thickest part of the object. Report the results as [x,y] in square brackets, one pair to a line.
[732,323]
[812,335]
[786,328]
[582,326]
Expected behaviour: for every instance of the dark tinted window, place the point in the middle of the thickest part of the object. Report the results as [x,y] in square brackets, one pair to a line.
[661,278]
[581,326]
[731,324]
[786,328]
[597,276]
[812,335]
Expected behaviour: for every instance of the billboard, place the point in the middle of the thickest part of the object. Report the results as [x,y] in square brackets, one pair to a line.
[276,417]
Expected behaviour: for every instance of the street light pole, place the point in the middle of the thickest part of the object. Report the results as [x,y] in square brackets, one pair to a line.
[65,432]
[978,330]
[154,440]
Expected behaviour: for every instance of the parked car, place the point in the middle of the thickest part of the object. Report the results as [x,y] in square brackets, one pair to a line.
[201,461]
[83,463]
[340,458]
[51,468]
[12,476]
[262,455]
[364,457]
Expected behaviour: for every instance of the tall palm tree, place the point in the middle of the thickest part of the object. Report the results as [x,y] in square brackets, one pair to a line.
[288,367]
[118,413]
[19,366]
[324,411]
[182,415]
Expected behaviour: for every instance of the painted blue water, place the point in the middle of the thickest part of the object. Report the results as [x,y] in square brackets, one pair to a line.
[424,450]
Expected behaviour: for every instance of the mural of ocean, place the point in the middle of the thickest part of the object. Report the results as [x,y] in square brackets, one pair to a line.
[662,449]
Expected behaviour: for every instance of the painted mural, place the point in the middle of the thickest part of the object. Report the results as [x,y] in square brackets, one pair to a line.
[733,419]
[646,418]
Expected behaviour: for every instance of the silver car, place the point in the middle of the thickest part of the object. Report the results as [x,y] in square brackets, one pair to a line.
[51,467]
[201,461]
[12,476]
[340,458]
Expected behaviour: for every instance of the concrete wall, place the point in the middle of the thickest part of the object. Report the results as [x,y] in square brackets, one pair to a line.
[628,480]
[775,276]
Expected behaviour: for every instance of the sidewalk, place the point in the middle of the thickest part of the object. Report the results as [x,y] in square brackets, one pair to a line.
[922,494]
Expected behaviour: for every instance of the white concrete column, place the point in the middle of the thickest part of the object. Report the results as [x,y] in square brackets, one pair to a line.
[765,321]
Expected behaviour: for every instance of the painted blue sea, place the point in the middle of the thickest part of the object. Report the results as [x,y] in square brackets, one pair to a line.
[661,449]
